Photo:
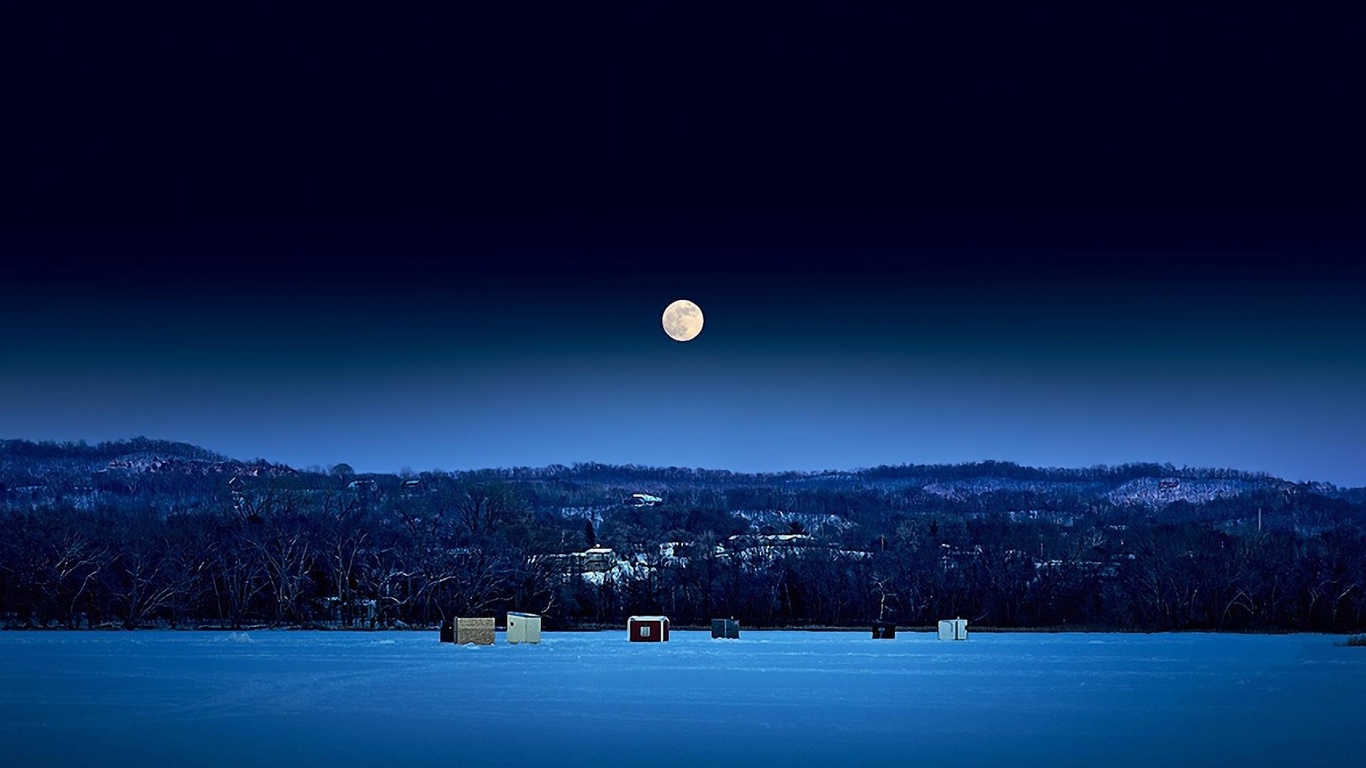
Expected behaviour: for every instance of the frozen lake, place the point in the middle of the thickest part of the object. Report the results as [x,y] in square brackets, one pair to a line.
[592,699]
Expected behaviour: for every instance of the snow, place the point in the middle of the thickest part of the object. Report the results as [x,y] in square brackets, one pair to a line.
[593,699]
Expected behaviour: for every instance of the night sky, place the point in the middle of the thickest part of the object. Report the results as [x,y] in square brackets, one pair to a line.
[405,239]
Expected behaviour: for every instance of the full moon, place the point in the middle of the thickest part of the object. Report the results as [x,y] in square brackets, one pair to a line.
[682,320]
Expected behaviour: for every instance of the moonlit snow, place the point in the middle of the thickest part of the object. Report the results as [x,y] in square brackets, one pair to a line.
[592,699]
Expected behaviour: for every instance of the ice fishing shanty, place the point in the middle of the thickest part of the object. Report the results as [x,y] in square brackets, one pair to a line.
[647,629]
[523,627]
[884,630]
[460,631]
[953,629]
[725,628]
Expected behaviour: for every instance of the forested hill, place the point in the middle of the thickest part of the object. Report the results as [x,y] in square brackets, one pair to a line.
[113,474]
[145,532]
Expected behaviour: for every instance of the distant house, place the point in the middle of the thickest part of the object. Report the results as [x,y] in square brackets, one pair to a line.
[783,539]
[647,629]
[643,500]
[523,628]
[596,560]
[353,612]
[592,560]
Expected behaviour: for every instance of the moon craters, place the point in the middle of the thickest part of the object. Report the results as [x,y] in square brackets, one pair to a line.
[682,320]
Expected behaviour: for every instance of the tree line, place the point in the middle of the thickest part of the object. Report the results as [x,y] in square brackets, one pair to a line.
[233,549]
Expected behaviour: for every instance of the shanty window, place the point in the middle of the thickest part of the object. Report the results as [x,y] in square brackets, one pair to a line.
[644,631]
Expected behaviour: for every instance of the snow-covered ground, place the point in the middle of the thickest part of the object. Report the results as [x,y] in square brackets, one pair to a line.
[273,698]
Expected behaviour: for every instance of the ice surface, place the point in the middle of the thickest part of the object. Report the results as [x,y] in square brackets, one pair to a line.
[770,698]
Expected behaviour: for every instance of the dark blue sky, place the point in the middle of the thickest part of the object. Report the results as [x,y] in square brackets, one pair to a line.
[444,241]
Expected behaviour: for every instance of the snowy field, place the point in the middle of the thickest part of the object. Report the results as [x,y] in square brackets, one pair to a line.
[277,698]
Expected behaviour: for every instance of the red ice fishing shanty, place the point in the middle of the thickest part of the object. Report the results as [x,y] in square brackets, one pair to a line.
[647,629]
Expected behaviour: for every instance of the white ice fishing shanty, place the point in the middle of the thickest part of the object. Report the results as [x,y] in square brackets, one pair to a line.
[953,629]
[523,628]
